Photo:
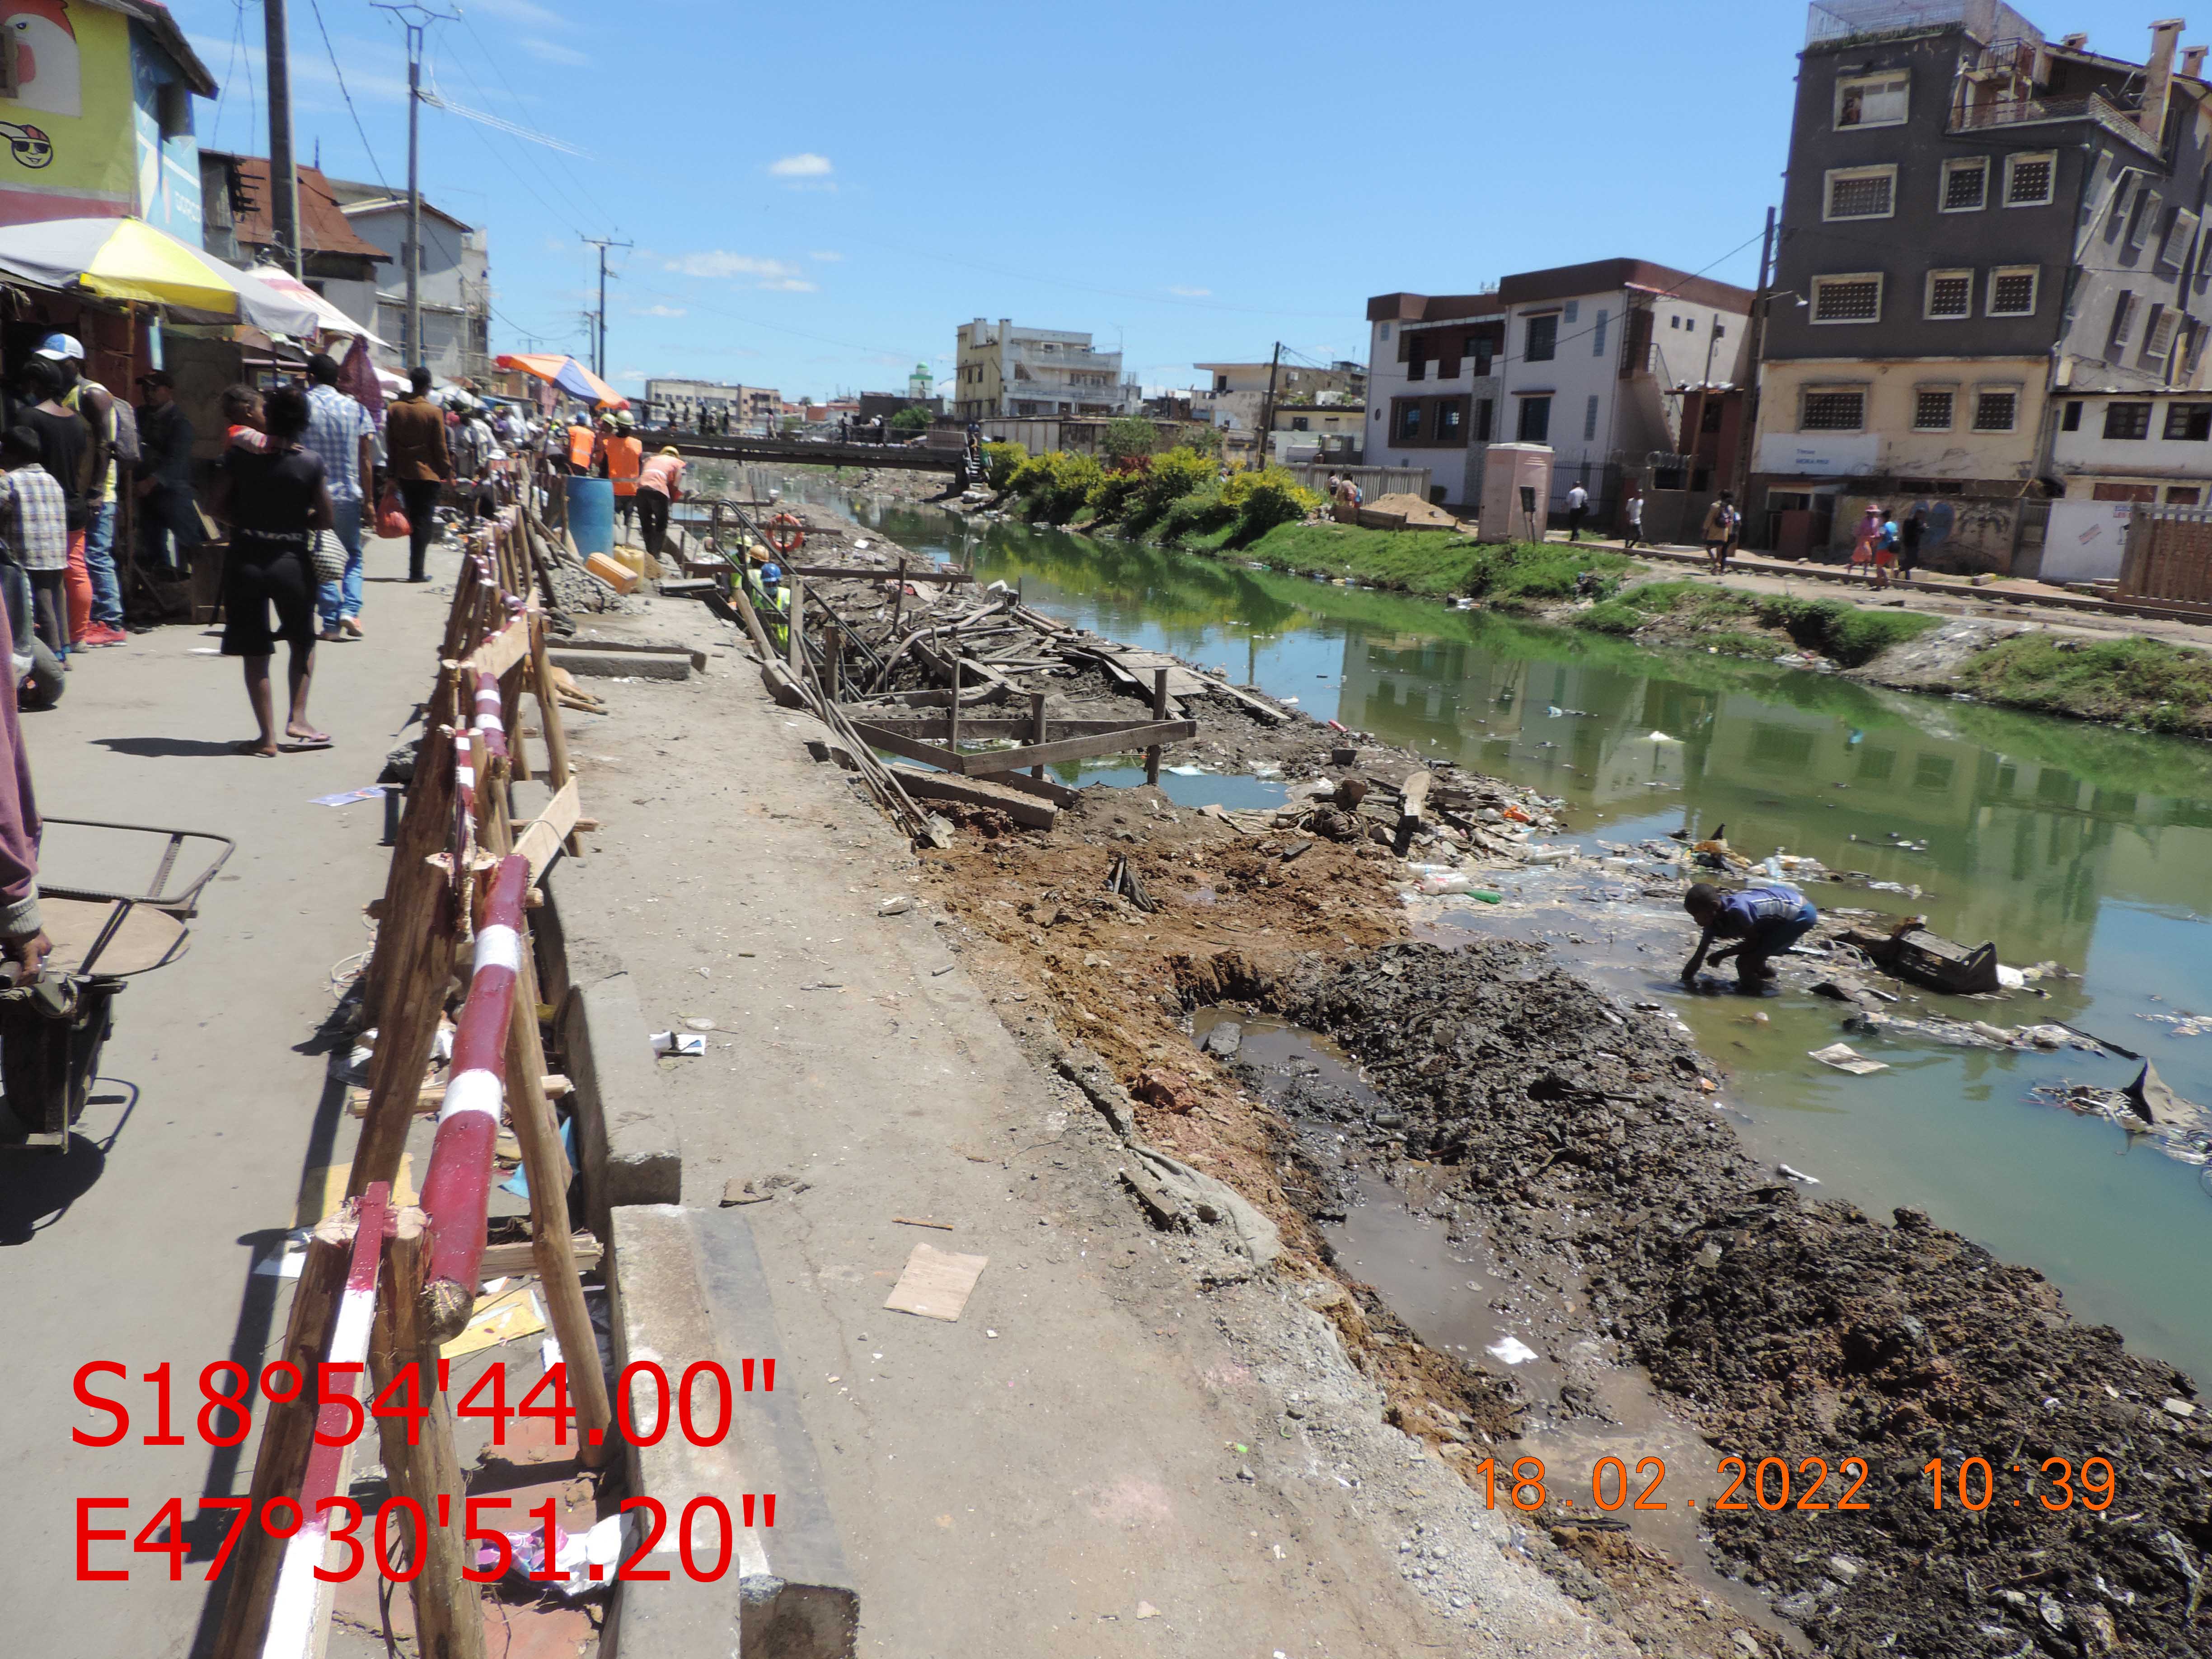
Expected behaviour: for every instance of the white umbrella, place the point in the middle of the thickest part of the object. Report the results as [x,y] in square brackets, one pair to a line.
[332,320]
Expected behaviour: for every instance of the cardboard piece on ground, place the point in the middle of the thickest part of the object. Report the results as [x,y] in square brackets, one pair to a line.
[936,1283]
[1845,1058]
[507,1317]
[322,1191]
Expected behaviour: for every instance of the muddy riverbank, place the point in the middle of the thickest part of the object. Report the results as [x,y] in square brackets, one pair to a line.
[1782,1330]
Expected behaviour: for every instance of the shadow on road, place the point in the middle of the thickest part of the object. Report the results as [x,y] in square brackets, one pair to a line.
[38,1188]
[167,747]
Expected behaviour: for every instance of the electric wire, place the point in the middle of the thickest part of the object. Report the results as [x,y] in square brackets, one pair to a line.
[359,131]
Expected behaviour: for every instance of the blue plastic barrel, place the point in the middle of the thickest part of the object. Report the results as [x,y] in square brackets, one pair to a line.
[591,514]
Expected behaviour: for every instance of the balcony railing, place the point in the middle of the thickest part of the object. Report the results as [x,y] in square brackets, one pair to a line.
[2005,112]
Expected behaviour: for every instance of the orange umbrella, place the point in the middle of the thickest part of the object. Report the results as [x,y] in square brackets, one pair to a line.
[566,374]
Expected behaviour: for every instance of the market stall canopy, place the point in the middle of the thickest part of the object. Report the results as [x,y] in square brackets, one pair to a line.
[129,260]
[566,374]
[333,321]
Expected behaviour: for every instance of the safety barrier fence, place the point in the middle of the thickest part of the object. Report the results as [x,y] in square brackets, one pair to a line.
[384,1284]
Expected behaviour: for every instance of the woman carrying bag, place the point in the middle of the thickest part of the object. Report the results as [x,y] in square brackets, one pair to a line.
[278,505]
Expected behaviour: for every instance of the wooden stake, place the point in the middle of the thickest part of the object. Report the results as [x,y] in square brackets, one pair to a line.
[510,715]
[548,714]
[448,1616]
[546,1168]
[1160,713]
[794,629]
[1036,727]
[287,1435]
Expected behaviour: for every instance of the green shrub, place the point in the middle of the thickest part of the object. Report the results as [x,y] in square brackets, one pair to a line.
[1201,512]
[912,419]
[1056,485]
[2143,682]
[1110,496]
[1264,497]
[1519,573]
[1127,439]
[999,462]
[1843,631]
[1172,476]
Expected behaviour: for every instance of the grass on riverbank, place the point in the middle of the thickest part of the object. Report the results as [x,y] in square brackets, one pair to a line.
[1721,618]
[2134,682]
[1435,563]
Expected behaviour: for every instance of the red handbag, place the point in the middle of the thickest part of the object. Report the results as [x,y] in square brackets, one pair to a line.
[391,517]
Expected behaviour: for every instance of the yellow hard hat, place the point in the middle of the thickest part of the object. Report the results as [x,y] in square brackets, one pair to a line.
[672,449]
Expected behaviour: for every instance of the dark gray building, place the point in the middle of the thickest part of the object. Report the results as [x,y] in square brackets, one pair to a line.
[1976,220]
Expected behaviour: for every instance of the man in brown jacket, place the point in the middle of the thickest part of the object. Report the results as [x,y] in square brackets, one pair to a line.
[418,461]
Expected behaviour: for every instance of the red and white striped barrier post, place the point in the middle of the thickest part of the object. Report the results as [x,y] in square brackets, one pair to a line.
[457,1188]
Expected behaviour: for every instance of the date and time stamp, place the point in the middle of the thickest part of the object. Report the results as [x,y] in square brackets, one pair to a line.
[699,1405]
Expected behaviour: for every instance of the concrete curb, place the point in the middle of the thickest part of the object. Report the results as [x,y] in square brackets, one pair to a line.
[629,1151]
[688,1287]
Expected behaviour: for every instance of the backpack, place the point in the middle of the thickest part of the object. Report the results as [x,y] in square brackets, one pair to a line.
[126,433]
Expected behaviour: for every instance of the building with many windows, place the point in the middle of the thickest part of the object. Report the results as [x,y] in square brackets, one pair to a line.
[1986,236]
[1000,369]
[1588,359]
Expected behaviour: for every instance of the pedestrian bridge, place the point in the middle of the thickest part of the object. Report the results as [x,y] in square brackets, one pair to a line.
[800,451]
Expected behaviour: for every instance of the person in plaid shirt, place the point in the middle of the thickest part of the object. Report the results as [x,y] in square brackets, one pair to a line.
[35,522]
[341,433]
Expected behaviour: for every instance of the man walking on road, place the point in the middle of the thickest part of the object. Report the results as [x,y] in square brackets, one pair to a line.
[415,450]
[1578,504]
[1720,522]
[169,517]
[344,438]
[1635,518]
[624,453]
[102,624]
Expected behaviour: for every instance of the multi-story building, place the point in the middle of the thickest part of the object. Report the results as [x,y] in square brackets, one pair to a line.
[454,292]
[699,405]
[1588,359]
[1986,237]
[1004,369]
[1235,398]
[335,259]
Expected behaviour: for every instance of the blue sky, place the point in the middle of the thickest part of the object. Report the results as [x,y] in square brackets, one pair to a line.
[820,194]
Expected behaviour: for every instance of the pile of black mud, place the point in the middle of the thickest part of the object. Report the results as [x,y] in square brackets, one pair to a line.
[1791,1329]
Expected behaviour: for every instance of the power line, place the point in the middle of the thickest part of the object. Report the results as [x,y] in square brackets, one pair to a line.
[316,6]
[500,69]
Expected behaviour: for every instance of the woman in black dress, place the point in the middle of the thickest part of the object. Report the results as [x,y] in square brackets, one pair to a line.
[275,503]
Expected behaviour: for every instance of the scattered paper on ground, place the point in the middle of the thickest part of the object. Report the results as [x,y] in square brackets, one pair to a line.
[346,797]
[1845,1058]
[936,1283]
[507,1317]
[1512,1350]
[322,1191]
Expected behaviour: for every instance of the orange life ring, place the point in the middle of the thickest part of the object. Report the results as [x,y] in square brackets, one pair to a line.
[786,534]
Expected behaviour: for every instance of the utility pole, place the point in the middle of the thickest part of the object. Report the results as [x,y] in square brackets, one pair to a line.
[415,20]
[1267,407]
[599,354]
[283,177]
[1747,429]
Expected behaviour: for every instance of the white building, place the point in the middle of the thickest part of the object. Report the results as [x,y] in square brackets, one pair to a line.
[454,292]
[2114,451]
[1583,358]
[1002,369]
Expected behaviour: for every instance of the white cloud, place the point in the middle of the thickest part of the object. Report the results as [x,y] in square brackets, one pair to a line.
[719,262]
[825,257]
[1192,293]
[661,311]
[524,11]
[805,165]
[553,53]
[789,285]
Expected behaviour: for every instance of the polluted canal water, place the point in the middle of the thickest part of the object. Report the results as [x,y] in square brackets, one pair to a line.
[2084,846]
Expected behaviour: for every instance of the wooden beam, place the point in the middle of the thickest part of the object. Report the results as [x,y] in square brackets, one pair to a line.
[940,786]
[848,573]
[930,724]
[500,652]
[698,658]
[551,827]
[433,1094]
[506,1261]
[1128,738]
[1043,788]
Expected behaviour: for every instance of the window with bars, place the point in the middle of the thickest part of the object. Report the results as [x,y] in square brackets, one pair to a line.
[1535,427]
[1847,299]
[1861,192]
[1597,333]
[2188,422]
[2030,180]
[1965,185]
[1452,419]
[2184,494]
[2012,291]
[1589,419]
[1832,410]
[1543,339]
[1950,294]
[1409,420]
[1995,412]
[2127,421]
[1931,409]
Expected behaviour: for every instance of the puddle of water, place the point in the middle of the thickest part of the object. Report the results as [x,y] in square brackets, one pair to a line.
[1459,1300]
[2058,840]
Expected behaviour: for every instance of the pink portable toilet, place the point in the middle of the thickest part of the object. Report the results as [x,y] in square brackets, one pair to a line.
[1516,493]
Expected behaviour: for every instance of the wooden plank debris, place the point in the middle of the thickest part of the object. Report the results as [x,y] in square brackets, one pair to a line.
[943,786]
[936,1283]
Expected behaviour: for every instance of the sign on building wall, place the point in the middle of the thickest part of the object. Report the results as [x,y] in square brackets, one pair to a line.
[1820,454]
[168,167]
[70,130]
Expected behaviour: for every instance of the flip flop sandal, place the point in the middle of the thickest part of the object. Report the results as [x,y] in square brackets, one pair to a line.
[250,746]
[320,740]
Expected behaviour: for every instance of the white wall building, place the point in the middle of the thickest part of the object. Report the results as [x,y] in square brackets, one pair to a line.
[1583,358]
[454,292]
[2114,451]
[1003,369]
